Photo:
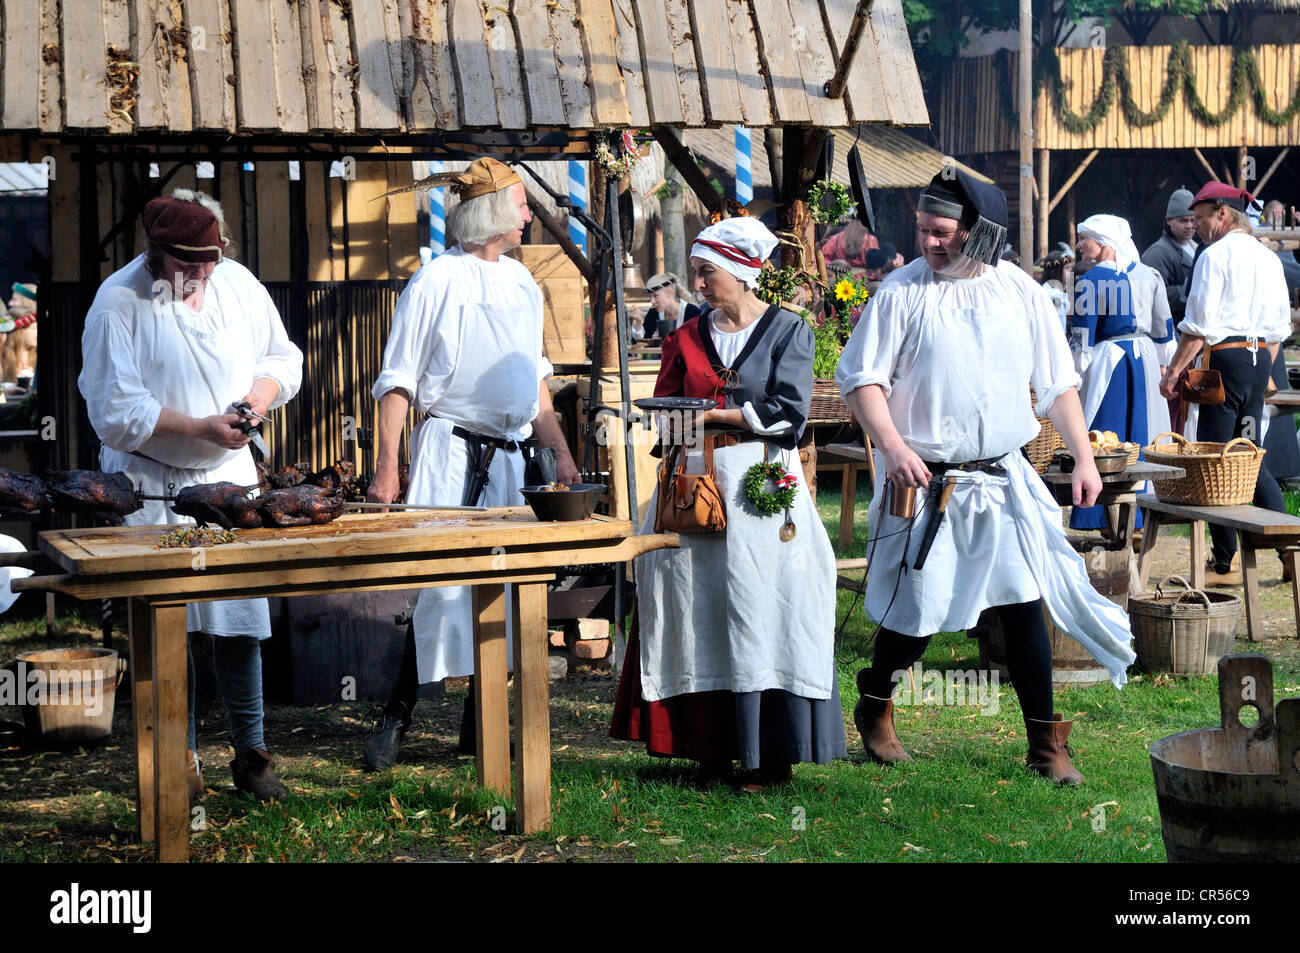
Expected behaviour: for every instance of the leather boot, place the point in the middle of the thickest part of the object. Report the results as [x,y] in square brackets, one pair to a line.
[875,720]
[1049,755]
[254,772]
[194,776]
[386,736]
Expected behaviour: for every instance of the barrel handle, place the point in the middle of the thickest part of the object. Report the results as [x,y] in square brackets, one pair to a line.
[1246,675]
[1288,739]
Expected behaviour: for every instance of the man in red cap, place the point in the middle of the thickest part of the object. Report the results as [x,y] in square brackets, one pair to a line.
[1236,308]
[171,342]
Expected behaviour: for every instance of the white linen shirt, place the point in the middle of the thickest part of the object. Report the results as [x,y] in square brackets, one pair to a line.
[1238,290]
[956,357]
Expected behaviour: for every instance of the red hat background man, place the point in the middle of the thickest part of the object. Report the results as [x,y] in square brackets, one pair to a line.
[172,340]
[1238,313]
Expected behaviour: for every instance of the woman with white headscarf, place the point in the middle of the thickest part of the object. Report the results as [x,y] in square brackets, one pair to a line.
[1113,331]
[731,654]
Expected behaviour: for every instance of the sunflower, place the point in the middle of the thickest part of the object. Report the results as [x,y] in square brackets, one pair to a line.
[845,290]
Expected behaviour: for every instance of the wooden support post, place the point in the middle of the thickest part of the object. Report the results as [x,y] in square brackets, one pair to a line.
[1281,156]
[1070,218]
[141,642]
[491,711]
[1069,184]
[685,163]
[1026,107]
[1241,167]
[1205,164]
[1044,192]
[532,711]
[857,26]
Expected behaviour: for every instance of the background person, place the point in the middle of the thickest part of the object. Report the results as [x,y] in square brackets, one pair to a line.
[669,310]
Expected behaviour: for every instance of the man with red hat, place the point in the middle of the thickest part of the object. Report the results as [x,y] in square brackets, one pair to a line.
[172,341]
[1237,307]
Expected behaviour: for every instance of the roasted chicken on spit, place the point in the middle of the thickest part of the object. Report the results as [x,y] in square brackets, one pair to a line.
[101,496]
[226,504]
[22,492]
[300,506]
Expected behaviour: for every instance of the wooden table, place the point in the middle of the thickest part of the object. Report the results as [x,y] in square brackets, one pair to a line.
[1285,398]
[1257,528]
[486,550]
[848,458]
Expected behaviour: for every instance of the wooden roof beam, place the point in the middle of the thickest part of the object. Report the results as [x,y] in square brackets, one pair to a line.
[1069,183]
[682,159]
[857,26]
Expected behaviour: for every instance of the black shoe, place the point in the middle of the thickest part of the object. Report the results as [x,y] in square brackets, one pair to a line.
[386,734]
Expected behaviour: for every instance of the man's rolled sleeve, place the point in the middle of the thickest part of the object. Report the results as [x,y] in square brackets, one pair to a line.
[122,410]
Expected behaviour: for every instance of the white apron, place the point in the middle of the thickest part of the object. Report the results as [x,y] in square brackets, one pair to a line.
[1106,356]
[230,617]
[1000,543]
[740,610]
[492,389]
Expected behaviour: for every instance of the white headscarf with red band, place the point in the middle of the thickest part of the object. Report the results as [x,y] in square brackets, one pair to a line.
[738,245]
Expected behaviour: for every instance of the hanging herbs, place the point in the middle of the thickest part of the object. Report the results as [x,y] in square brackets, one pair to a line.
[776,285]
[828,202]
[1117,84]
[756,479]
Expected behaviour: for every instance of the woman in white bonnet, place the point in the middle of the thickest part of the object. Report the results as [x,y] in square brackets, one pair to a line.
[731,652]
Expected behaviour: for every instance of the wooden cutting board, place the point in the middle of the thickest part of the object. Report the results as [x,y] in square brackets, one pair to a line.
[363,536]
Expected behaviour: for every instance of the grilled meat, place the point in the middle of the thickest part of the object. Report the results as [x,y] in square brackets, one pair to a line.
[263,476]
[93,493]
[341,476]
[300,506]
[403,482]
[225,504]
[22,492]
[292,475]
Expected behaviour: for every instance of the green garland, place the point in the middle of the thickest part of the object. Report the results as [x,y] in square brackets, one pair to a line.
[841,202]
[756,479]
[1117,83]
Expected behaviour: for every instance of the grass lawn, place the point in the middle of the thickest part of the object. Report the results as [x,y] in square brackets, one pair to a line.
[967,797]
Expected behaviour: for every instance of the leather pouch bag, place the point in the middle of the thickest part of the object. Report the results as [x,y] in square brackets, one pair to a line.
[689,502]
[1200,386]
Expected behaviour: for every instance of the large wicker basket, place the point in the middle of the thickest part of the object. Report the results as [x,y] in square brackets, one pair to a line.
[827,404]
[1218,474]
[1041,449]
[1180,635]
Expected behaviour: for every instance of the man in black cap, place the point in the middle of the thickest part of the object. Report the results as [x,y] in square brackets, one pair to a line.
[938,372]
[1171,255]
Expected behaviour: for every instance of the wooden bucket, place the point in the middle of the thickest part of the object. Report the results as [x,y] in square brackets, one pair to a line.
[1072,666]
[77,694]
[1232,794]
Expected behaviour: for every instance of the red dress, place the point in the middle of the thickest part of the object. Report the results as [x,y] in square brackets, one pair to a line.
[699,726]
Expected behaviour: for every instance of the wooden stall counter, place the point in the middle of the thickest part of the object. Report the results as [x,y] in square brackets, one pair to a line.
[485,549]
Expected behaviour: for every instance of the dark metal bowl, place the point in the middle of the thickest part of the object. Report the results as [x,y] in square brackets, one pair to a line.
[11,734]
[578,502]
[1106,462]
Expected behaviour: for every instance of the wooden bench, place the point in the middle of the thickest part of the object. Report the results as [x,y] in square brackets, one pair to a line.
[1257,528]
[848,458]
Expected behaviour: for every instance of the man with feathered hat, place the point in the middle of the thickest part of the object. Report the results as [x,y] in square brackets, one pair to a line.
[466,350]
[938,373]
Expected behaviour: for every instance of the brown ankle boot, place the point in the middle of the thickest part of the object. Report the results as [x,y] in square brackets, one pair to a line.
[875,720]
[1049,755]
[254,772]
[194,776]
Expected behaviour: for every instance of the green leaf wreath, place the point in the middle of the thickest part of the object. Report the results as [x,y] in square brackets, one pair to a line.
[756,480]
[841,203]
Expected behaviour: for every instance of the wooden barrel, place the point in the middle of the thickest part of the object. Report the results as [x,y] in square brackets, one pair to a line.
[1232,794]
[69,694]
[1072,666]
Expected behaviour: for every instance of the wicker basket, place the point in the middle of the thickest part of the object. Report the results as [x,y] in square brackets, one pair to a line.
[827,404]
[1041,449]
[1218,474]
[1181,636]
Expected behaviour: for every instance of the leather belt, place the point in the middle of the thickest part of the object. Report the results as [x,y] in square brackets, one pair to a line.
[509,446]
[990,466]
[1252,343]
[731,439]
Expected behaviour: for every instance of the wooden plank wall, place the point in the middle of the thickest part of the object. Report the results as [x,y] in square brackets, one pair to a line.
[970,118]
[384,67]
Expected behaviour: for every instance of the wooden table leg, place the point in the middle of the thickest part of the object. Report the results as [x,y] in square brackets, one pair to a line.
[170,702]
[1146,559]
[532,712]
[491,707]
[1291,557]
[1250,580]
[871,460]
[1197,530]
[848,493]
[141,647]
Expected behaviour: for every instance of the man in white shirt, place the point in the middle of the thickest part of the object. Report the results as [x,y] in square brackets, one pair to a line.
[466,350]
[938,373]
[171,342]
[1238,311]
